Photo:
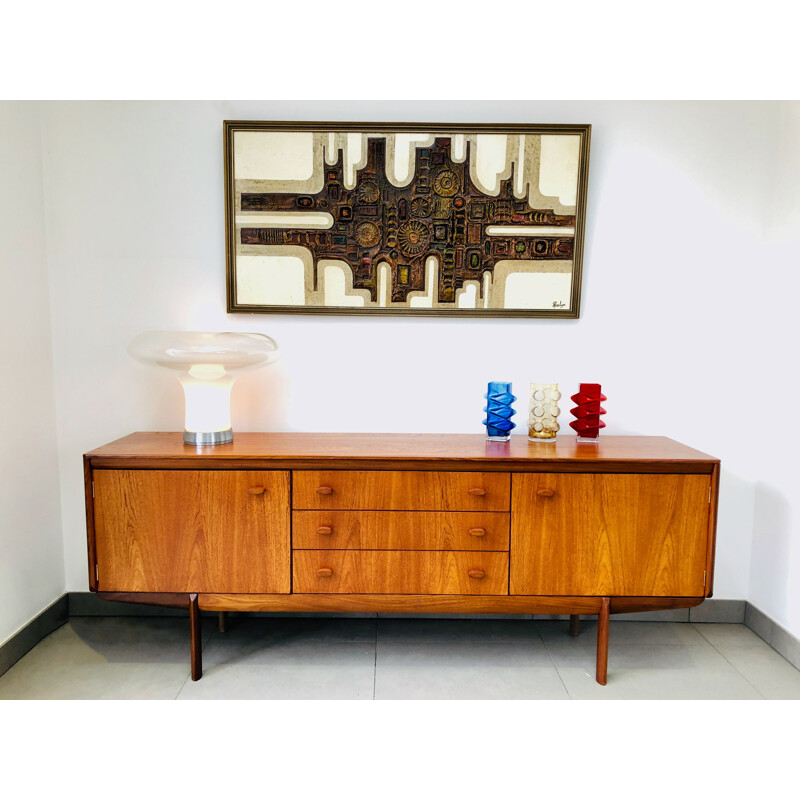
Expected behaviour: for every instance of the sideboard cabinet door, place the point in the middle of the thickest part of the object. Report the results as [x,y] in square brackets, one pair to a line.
[192,531]
[609,534]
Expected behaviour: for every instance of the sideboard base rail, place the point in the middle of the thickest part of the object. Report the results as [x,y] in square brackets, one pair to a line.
[534,604]
[444,603]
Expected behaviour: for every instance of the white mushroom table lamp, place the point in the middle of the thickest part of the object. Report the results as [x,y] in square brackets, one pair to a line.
[207,365]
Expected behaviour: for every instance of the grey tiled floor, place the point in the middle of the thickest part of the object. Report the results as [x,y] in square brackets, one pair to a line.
[364,659]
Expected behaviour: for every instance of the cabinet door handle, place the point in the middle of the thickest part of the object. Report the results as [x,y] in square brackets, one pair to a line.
[545,493]
[477,573]
[478,492]
[324,572]
[256,490]
[324,490]
[324,530]
[477,531]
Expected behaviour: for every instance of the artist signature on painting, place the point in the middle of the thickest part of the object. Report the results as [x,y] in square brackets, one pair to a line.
[558,304]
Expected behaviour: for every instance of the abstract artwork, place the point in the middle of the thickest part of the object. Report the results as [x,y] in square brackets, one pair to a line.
[357,218]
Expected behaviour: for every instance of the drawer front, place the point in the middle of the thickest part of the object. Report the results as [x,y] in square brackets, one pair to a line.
[192,531]
[399,530]
[399,572]
[581,534]
[402,491]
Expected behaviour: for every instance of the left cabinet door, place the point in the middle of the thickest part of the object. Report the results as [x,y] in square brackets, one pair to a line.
[192,531]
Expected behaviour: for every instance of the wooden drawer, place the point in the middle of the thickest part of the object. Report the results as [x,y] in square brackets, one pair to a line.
[402,491]
[192,530]
[399,572]
[636,535]
[399,530]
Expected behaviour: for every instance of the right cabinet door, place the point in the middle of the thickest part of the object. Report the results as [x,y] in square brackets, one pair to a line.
[598,534]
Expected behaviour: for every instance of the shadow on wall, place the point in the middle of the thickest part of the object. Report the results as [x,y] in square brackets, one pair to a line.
[769,566]
[734,535]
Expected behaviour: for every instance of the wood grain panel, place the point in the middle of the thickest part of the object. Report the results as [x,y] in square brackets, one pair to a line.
[401,491]
[399,572]
[609,534]
[388,451]
[712,532]
[399,530]
[397,603]
[432,603]
[88,494]
[192,531]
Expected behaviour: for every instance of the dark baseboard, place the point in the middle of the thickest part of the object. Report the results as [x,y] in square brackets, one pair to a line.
[53,617]
[88,604]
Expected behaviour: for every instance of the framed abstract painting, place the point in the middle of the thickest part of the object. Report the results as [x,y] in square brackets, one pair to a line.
[405,219]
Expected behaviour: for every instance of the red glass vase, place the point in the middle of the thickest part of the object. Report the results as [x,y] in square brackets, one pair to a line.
[587,412]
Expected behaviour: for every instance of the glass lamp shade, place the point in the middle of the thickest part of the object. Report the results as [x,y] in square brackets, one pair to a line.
[207,365]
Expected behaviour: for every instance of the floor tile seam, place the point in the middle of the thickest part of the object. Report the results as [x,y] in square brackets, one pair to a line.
[207,642]
[272,665]
[745,648]
[561,678]
[221,642]
[332,639]
[463,641]
[212,633]
[183,684]
[738,671]
[652,644]
[758,645]
[797,669]
[571,696]
[626,669]
[555,667]
[375,662]
[699,630]
[759,648]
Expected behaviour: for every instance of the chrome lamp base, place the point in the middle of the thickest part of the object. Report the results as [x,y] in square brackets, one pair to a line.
[199,438]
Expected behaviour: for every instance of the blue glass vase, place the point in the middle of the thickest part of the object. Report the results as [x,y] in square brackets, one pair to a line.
[499,412]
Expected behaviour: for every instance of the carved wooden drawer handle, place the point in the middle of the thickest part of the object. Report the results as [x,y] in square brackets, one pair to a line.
[324,490]
[477,531]
[324,530]
[324,572]
[477,573]
[478,492]
[545,493]
[256,490]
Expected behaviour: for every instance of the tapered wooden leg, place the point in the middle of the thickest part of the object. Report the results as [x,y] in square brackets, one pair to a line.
[196,638]
[574,624]
[602,641]
[223,621]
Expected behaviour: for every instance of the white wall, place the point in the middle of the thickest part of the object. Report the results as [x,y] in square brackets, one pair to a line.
[773,372]
[31,553]
[679,297]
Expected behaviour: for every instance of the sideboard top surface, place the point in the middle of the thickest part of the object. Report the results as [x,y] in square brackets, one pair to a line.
[159,450]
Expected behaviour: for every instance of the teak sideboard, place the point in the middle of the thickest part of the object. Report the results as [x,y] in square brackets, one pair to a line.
[402,523]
